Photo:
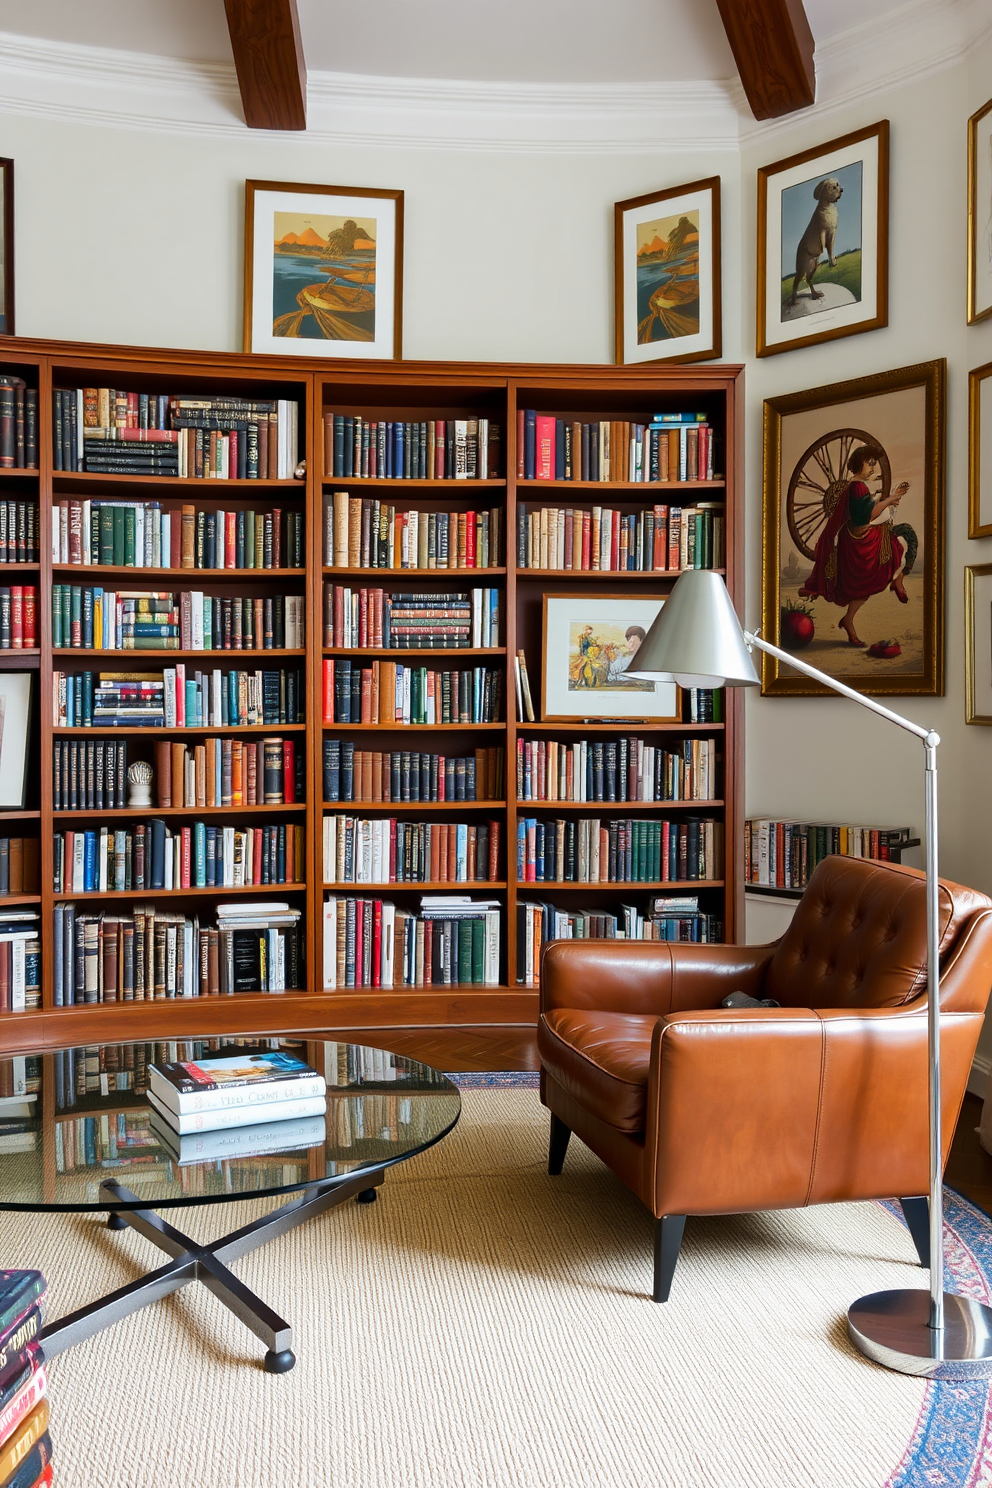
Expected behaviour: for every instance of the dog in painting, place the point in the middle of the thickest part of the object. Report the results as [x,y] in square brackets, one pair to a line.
[818,237]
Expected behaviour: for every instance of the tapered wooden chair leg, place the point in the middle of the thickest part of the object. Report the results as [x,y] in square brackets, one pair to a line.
[667,1244]
[917,1213]
[558,1144]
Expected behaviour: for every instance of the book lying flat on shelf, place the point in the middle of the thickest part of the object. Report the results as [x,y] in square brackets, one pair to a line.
[271,1110]
[257,1140]
[233,1080]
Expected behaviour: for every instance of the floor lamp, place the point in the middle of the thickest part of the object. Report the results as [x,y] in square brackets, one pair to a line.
[697,641]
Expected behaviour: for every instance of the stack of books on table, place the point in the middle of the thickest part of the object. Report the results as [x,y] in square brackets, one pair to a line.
[240,1105]
[25,1445]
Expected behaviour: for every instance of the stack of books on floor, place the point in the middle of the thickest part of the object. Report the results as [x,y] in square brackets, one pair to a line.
[238,1105]
[25,1445]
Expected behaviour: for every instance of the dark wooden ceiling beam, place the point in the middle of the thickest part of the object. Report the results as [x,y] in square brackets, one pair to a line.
[268,56]
[773,48]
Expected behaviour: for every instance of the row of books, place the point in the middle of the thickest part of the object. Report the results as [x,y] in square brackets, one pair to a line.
[126,433]
[151,855]
[20,536]
[144,534]
[353,774]
[676,447]
[173,699]
[451,941]
[375,617]
[91,1072]
[229,772]
[783,854]
[633,851]
[20,959]
[18,617]
[388,693]
[405,449]
[668,919]
[625,769]
[91,618]
[386,850]
[364,532]
[19,865]
[90,1141]
[18,424]
[149,952]
[25,1442]
[662,539]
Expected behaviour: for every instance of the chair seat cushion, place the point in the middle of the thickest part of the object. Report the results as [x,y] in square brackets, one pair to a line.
[601,1060]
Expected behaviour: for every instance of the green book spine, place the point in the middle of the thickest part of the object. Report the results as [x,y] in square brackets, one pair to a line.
[249,540]
[66,614]
[199,854]
[464,951]
[118,558]
[57,615]
[106,544]
[239,541]
[478,952]
[130,517]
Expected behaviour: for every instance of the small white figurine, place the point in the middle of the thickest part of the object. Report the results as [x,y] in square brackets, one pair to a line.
[139,777]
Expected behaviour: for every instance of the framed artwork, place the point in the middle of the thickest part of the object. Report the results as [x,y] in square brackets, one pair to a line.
[853,529]
[589,644]
[823,242]
[15,721]
[980,214]
[7,247]
[323,270]
[667,275]
[980,451]
[978,643]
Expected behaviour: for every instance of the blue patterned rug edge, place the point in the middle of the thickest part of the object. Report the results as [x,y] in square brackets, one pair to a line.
[495,1079]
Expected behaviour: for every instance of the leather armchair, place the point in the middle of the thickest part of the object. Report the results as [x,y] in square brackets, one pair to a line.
[701,1109]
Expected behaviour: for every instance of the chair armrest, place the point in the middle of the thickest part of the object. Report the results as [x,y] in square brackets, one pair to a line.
[648,976]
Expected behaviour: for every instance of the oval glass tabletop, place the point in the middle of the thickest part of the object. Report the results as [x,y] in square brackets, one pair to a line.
[70,1119]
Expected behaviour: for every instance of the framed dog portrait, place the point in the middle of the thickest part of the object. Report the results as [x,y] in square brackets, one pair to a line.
[667,303]
[590,646]
[853,528]
[978,643]
[323,270]
[823,248]
[980,214]
[980,451]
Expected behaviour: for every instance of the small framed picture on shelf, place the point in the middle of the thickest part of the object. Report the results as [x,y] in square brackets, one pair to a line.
[6,247]
[15,721]
[980,214]
[589,646]
[667,275]
[978,643]
[323,270]
[980,451]
[823,252]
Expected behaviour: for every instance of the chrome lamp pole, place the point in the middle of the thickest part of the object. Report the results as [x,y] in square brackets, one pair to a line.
[697,641]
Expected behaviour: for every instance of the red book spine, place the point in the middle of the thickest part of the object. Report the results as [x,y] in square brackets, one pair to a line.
[175,541]
[16,617]
[186,858]
[377,943]
[288,771]
[230,538]
[615,541]
[328,705]
[544,444]
[470,527]
[586,540]
[392,851]
[256,858]
[30,614]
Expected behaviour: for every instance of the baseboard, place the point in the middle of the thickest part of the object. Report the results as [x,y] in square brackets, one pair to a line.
[978,1080]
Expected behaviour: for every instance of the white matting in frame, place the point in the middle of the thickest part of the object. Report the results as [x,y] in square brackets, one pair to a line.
[589,645]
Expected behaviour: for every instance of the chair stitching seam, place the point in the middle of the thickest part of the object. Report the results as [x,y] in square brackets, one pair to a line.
[819,1110]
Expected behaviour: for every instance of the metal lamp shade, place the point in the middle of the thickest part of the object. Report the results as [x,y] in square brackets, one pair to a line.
[697,637]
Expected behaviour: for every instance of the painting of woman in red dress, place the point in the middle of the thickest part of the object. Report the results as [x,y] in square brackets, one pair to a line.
[860,552]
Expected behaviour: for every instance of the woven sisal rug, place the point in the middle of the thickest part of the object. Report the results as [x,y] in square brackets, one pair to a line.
[485,1326]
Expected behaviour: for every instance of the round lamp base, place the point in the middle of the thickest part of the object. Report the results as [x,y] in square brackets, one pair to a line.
[893,1329]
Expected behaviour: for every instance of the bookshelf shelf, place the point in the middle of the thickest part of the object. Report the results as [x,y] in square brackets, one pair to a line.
[432,886]
[616,808]
[666,575]
[19,568]
[645,488]
[138,895]
[422,728]
[27,815]
[390,653]
[10,471]
[9,899]
[401,575]
[348,808]
[451,487]
[619,887]
[619,726]
[176,482]
[96,571]
[143,813]
[130,731]
[169,658]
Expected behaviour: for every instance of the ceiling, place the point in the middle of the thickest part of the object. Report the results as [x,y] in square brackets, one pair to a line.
[525,41]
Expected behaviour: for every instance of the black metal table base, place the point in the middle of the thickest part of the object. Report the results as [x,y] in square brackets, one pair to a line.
[207,1263]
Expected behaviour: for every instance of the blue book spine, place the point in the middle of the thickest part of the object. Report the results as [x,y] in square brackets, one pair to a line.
[90,880]
[530,442]
[521,849]
[210,857]
[199,855]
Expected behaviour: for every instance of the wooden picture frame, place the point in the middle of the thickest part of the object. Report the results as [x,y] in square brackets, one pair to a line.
[978,643]
[16,700]
[979,443]
[800,218]
[823,554]
[685,325]
[7,247]
[353,236]
[980,214]
[587,643]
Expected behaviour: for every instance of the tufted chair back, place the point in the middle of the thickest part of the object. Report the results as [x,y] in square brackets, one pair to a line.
[859,936]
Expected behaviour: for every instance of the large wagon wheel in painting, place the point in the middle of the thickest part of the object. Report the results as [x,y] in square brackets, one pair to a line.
[818,479]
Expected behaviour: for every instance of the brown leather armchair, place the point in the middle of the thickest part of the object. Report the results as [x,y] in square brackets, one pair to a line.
[701,1109]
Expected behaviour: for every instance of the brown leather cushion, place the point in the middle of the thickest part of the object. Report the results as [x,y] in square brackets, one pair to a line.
[859,936]
[601,1060]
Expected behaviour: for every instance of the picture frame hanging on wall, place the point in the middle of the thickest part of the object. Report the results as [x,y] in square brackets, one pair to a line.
[978,643]
[853,529]
[323,270]
[667,299]
[980,214]
[15,723]
[6,247]
[980,451]
[823,249]
[589,644]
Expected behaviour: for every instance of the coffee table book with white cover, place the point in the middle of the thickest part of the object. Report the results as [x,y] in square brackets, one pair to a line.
[227,1083]
[258,1140]
[271,1110]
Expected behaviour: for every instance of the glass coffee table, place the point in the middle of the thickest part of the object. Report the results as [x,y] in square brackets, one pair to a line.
[76,1136]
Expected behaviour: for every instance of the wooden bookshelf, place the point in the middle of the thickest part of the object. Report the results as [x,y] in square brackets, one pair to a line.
[411,390]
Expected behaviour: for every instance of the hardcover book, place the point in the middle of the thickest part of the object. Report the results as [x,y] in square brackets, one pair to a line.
[237,1080]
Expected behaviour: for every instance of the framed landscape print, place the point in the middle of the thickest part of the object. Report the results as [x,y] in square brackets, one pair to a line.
[823,247]
[978,643]
[323,270]
[667,275]
[980,451]
[15,719]
[980,214]
[6,247]
[853,533]
[590,644]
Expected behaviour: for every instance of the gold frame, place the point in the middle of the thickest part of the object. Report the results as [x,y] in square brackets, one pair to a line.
[312,348]
[974,316]
[779,681]
[627,720]
[710,184]
[971,569]
[765,175]
[975,380]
